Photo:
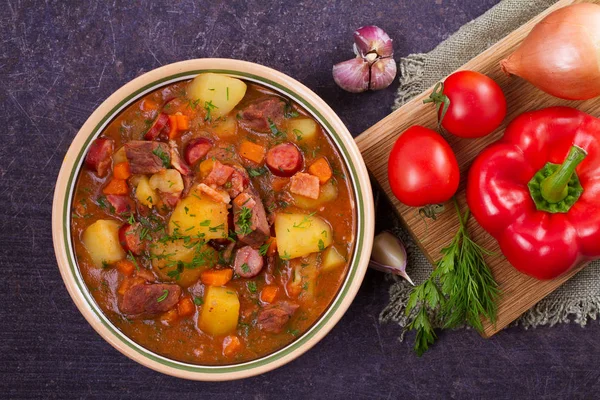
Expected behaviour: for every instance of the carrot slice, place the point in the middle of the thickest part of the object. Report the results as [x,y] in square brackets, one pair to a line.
[321,170]
[272,246]
[216,277]
[125,267]
[269,293]
[116,186]
[252,151]
[183,122]
[122,170]
[231,345]
[185,307]
[173,128]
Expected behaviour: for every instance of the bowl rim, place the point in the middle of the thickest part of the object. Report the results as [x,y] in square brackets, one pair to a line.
[106,112]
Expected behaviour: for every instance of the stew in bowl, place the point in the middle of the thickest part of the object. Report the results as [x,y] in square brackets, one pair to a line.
[214,221]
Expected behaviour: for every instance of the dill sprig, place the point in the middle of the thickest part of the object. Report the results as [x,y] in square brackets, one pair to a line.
[460,290]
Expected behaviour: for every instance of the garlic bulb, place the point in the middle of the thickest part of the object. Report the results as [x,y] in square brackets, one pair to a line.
[373,68]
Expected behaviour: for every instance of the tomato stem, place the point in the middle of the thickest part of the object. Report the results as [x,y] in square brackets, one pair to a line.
[431,211]
[438,98]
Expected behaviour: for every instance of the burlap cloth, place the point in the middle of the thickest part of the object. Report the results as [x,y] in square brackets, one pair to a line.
[577,300]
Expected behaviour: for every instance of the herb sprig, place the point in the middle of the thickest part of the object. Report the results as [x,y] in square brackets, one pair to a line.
[461,289]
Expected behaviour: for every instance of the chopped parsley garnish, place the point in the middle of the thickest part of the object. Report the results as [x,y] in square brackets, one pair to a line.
[217,228]
[264,248]
[105,265]
[133,260]
[163,296]
[252,287]
[321,245]
[254,172]
[245,268]
[131,219]
[285,255]
[298,134]
[306,221]
[289,112]
[102,203]
[243,221]
[293,332]
[209,107]
[186,209]
[193,104]
[276,132]
[227,91]
[164,157]
[198,301]
[206,222]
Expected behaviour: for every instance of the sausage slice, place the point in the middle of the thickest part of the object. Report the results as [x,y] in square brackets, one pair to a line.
[285,159]
[248,262]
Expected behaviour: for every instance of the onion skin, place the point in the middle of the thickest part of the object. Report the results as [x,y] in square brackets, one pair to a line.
[561,53]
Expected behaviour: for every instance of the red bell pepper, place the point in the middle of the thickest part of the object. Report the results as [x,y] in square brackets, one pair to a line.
[537,191]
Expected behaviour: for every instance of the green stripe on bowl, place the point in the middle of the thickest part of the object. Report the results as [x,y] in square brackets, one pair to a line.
[279,353]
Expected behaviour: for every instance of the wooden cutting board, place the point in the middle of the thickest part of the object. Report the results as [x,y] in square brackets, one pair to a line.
[519,292]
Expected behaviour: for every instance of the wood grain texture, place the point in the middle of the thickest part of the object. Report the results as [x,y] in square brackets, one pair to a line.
[519,292]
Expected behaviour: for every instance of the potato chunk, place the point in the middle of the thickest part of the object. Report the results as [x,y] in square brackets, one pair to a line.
[167,181]
[298,235]
[225,128]
[220,311]
[101,240]
[332,259]
[327,193]
[198,216]
[180,261]
[222,92]
[302,129]
[145,194]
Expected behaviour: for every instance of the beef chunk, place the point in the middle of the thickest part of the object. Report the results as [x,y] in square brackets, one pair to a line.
[149,300]
[147,157]
[250,219]
[273,317]
[259,115]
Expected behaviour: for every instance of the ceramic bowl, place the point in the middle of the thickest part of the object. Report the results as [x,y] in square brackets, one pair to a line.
[128,94]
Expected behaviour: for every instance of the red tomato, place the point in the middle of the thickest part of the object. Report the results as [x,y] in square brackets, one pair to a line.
[422,168]
[477,104]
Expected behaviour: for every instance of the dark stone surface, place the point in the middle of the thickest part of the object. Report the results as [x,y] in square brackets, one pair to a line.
[60,60]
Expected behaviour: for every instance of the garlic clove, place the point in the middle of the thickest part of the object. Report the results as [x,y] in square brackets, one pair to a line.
[373,39]
[383,72]
[352,75]
[389,255]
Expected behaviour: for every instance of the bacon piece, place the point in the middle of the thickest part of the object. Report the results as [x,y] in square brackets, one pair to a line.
[99,156]
[219,175]
[176,160]
[215,195]
[306,185]
[120,203]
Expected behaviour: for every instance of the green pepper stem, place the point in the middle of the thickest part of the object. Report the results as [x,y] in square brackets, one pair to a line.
[555,187]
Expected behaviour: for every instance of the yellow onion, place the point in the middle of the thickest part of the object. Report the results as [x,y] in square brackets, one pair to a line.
[561,53]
